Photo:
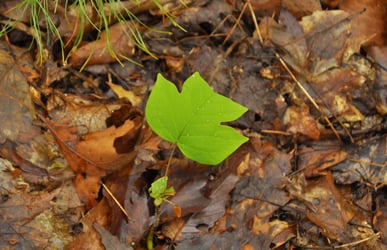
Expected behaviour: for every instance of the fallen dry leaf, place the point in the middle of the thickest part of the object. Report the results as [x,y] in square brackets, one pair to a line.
[301,8]
[368,22]
[290,38]
[126,94]
[98,52]
[17,108]
[299,121]
[379,55]
[90,238]
[16,214]
[332,212]
[327,34]
[318,158]
[95,154]
[108,240]
[364,163]
[380,218]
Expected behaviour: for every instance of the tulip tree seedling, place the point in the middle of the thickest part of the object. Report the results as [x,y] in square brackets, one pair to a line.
[191,119]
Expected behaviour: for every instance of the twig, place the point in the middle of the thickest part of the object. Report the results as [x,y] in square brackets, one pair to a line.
[116,201]
[255,22]
[347,245]
[235,25]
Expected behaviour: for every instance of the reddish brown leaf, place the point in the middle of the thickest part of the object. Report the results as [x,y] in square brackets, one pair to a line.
[379,55]
[331,211]
[265,7]
[368,23]
[299,121]
[89,237]
[300,9]
[95,155]
[177,211]
[380,218]
[317,159]
[122,47]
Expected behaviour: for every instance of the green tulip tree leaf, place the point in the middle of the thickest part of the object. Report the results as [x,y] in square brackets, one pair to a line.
[159,191]
[192,119]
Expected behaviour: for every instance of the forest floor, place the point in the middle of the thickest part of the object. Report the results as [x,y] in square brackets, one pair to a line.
[75,144]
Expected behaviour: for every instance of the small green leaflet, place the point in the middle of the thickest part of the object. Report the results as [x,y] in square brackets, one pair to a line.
[159,190]
[192,119]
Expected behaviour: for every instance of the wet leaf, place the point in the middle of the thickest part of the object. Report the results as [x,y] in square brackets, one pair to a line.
[318,158]
[366,162]
[192,118]
[327,34]
[379,54]
[332,212]
[108,240]
[299,120]
[16,105]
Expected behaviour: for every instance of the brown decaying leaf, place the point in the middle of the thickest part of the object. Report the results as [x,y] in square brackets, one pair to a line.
[99,147]
[256,196]
[334,87]
[90,238]
[265,7]
[136,204]
[95,155]
[299,121]
[8,151]
[126,94]
[96,148]
[313,45]
[17,108]
[317,159]
[332,211]
[259,193]
[201,199]
[75,110]
[290,39]
[380,218]
[327,34]
[24,207]
[301,8]
[108,240]
[172,229]
[368,23]
[365,163]
[379,55]
[17,214]
[98,52]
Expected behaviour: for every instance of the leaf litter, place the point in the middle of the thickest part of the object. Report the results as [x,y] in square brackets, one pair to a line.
[311,176]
